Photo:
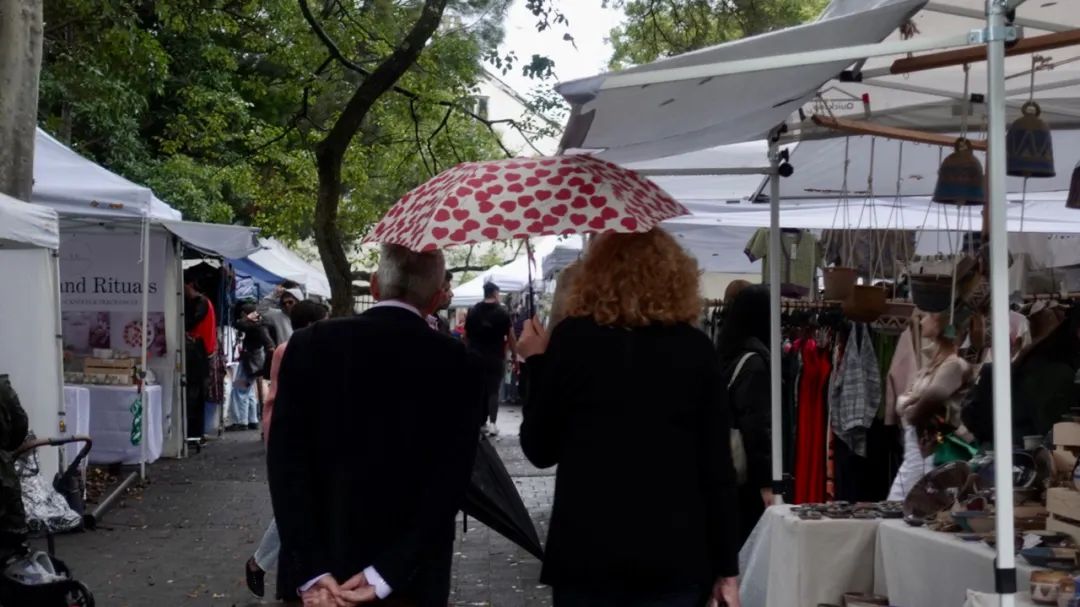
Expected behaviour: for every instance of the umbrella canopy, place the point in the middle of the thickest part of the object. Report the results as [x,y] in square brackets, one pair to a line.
[521,198]
[492,499]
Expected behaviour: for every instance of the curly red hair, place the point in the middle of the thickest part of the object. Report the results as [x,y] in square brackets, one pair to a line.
[634,280]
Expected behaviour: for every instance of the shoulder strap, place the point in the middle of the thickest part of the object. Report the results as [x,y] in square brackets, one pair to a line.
[738,368]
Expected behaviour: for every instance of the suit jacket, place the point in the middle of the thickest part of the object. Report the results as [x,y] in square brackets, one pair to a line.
[375,429]
[637,422]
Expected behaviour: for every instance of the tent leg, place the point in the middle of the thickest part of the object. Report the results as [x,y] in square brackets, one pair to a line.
[775,348]
[61,412]
[1005,565]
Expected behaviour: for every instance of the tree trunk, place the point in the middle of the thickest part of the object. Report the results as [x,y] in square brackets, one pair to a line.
[328,238]
[20,65]
[330,152]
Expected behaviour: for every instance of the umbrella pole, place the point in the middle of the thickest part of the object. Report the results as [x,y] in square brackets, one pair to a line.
[775,351]
[1005,565]
[531,306]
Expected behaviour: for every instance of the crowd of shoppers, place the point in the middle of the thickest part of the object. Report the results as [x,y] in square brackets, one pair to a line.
[626,396]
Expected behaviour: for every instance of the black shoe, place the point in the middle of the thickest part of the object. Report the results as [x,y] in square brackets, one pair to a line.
[256,578]
[253,426]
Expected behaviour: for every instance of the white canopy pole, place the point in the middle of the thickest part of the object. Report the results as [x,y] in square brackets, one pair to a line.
[145,341]
[1005,567]
[775,351]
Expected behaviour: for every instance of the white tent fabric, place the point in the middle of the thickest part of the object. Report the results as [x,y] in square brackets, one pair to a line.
[512,277]
[684,115]
[27,225]
[932,99]
[275,257]
[228,241]
[29,349]
[72,184]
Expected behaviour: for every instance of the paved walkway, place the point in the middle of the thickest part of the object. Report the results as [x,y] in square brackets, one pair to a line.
[185,538]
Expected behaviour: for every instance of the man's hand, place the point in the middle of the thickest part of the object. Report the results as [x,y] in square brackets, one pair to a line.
[726,592]
[324,593]
[357,590]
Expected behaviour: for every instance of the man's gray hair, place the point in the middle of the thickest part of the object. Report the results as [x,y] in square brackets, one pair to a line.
[408,276]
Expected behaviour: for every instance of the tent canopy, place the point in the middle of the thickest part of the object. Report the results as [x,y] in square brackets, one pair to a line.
[24,225]
[219,240]
[72,184]
[667,118]
[276,258]
[673,115]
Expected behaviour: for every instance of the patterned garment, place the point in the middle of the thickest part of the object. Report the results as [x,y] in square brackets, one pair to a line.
[855,391]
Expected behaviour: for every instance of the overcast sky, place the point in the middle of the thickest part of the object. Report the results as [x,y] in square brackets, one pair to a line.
[589,25]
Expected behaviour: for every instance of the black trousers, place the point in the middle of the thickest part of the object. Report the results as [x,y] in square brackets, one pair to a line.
[496,375]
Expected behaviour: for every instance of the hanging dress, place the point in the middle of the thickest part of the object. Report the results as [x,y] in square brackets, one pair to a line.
[810,450]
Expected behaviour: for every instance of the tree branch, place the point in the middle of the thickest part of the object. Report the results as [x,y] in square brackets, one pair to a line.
[328,42]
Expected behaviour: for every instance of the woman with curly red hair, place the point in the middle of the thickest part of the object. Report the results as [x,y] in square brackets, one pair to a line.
[627,399]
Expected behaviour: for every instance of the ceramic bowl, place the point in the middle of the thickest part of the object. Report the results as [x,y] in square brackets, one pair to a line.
[974,521]
[1046,586]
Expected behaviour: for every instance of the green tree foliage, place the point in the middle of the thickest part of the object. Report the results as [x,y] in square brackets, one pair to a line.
[662,28]
[218,105]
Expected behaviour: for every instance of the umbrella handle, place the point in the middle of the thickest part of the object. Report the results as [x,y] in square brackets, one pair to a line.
[531,306]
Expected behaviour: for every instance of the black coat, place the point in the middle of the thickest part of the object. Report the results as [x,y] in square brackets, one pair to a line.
[751,410]
[637,421]
[375,430]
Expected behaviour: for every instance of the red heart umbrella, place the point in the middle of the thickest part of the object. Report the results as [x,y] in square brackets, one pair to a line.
[521,198]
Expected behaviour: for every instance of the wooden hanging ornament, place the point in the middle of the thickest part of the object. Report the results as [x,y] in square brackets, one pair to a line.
[1029,145]
[1073,200]
[960,178]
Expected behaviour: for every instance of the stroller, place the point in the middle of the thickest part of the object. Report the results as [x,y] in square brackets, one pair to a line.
[37,578]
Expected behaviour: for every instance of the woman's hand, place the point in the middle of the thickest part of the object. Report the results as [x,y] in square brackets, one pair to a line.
[726,592]
[533,340]
[768,497]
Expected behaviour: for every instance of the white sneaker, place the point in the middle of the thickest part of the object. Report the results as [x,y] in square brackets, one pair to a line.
[492,429]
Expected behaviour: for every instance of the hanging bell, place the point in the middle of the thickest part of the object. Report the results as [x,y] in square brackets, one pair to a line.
[960,178]
[1028,145]
[1073,200]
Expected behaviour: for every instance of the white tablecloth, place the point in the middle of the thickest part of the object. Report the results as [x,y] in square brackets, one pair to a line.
[788,562]
[110,424]
[916,567]
[76,417]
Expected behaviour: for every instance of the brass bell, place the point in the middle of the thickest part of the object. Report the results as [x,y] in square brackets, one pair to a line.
[1073,199]
[1029,146]
[960,178]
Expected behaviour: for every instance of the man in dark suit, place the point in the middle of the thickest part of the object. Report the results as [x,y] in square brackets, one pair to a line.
[374,435]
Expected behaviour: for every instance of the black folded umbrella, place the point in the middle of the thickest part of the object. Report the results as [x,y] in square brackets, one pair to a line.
[492,499]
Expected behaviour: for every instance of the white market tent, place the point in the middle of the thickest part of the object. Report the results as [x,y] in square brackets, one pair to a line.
[91,200]
[511,277]
[278,259]
[743,90]
[30,352]
[73,185]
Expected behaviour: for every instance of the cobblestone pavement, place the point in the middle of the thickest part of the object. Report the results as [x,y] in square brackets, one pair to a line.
[184,539]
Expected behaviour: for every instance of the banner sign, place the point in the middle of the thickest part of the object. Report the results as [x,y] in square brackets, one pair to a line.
[101,291]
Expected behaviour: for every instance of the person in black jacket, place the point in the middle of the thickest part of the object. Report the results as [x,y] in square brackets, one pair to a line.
[363,512]
[744,359]
[627,400]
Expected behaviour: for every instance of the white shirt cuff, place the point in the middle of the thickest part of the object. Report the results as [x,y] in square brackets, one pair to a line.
[382,589]
[312,582]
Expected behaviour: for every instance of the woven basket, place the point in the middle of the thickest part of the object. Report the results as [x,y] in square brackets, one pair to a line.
[839,282]
[866,303]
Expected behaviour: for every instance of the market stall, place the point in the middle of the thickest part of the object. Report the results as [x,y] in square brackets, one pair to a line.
[824,80]
[29,348]
[121,251]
